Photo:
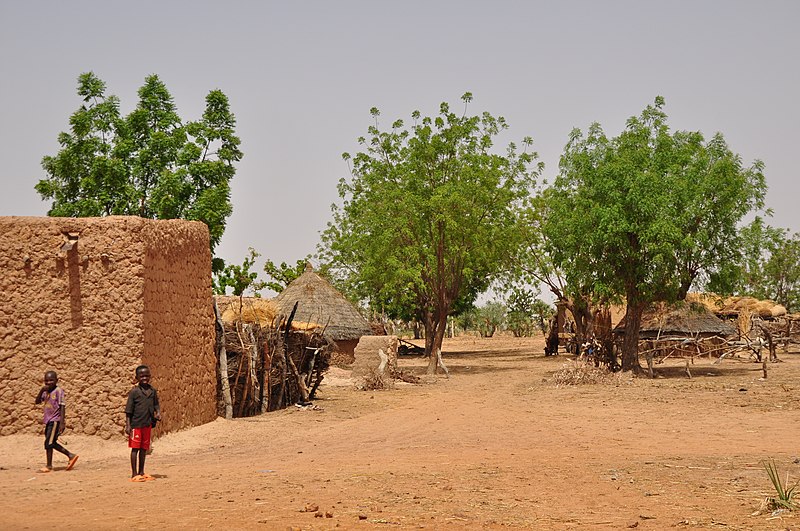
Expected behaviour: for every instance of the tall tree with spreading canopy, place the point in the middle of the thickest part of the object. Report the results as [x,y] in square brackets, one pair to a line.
[429,215]
[641,215]
[148,163]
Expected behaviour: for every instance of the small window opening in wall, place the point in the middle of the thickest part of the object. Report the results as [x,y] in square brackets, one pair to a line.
[72,241]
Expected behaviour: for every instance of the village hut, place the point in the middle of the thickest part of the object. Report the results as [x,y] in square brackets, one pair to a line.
[682,329]
[319,302]
[681,319]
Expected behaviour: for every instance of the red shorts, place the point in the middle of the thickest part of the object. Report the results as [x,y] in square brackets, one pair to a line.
[140,438]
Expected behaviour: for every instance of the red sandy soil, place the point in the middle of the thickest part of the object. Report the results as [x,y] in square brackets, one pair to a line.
[497,445]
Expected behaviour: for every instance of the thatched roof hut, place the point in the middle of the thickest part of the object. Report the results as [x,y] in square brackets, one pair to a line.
[319,302]
[682,319]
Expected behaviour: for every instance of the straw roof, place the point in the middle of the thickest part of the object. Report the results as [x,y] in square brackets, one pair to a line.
[680,319]
[732,306]
[319,302]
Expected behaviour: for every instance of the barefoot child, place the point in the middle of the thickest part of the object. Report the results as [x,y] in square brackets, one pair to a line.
[54,420]
[141,414]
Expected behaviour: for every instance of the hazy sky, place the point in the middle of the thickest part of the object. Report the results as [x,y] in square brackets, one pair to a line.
[302,76]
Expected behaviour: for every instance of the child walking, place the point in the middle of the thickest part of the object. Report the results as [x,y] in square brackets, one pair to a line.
[141,414]
[54,420]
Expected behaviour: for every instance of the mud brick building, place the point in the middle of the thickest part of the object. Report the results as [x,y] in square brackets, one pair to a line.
[92,298]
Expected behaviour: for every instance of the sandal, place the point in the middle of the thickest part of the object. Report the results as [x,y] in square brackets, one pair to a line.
[72,462]
[147,477]
[138,479]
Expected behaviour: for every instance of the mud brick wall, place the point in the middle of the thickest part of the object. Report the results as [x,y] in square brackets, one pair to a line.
[92,311]
[179,322]
[367,359]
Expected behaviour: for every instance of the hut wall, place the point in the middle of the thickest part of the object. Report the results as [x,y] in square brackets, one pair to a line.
[89,314]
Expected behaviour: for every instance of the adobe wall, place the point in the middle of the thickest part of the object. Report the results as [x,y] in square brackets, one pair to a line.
[83,311]
[179,322]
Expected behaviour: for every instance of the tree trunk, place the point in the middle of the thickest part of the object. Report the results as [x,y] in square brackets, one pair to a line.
[582,315]
[630,344]
[439,326]
[415,328]
[430,329]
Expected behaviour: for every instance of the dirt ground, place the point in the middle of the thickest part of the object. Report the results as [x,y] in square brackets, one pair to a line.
[497,445]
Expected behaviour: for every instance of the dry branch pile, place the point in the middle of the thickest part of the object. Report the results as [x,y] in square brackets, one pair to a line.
[269,365]
[582,372]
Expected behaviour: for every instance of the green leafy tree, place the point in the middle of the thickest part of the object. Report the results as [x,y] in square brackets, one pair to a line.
[526,313]
[280,276]
[769,267]
[148,163]
[782,273]
[239,278]
[467,319]
[429,215]
[491,318]
[641,215]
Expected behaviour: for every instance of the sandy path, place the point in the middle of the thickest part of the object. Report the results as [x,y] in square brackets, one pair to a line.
[497,445]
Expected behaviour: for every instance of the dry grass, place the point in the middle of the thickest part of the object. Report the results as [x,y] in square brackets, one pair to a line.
[375,381]
[580,372]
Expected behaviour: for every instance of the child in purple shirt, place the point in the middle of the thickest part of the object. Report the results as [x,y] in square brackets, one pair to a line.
[54,420]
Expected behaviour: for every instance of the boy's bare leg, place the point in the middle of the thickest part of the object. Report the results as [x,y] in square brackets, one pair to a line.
[62,450]
[134,459]
[142,455]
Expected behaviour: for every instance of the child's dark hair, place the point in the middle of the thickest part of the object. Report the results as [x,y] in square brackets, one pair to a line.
[48,373]
[140,368]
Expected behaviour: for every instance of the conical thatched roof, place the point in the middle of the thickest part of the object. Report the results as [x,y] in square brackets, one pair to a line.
[319,302]
[682,318]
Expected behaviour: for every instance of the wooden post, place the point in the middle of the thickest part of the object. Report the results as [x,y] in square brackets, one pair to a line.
[254,379]
[223,363]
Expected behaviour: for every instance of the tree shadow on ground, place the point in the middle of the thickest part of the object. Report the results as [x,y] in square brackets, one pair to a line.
[701,371]
[491,354]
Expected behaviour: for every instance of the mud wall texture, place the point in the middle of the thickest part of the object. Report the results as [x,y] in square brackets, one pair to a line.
[179,322]
[367,359]
[92,298]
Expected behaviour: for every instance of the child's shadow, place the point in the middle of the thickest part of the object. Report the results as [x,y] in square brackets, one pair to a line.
[159,476]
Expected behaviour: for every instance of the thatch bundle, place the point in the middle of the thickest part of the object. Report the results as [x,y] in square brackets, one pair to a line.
[733,306]
[255,310]
[250,310]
